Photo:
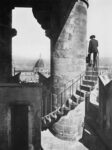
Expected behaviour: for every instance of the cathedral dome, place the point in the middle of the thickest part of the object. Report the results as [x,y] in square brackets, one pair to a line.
[39,63]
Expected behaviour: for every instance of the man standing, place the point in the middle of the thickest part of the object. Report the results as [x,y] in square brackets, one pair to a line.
[93,48]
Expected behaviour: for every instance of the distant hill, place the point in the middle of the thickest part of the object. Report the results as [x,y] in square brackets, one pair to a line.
[106,61]
[28,63]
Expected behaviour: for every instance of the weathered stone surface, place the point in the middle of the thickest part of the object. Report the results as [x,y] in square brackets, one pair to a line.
[70,127]
[94,96]
[5,43]
[17,94]
[105,102]
[50,142]
[68,54]
[4,127]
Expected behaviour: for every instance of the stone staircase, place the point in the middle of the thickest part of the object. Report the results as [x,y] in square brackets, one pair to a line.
[87,83]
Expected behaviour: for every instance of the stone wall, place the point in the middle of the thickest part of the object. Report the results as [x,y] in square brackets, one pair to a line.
[16,94]
[105,101]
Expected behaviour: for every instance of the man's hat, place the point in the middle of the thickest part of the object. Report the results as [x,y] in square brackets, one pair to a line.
[92,36]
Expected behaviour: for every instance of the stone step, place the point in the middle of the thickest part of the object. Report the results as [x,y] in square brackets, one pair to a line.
[85,88]
[92,73]
[71,104]
[81,93]
[79,98]
[74,98]
[92,78]
[88,82]
[91,69]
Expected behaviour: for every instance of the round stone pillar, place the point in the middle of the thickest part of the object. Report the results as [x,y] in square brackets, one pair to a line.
[68,54]
[6,33]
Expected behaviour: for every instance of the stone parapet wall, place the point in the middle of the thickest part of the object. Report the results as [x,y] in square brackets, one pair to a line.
[12,95]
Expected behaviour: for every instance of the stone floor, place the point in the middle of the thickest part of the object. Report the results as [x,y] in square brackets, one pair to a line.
[50,142]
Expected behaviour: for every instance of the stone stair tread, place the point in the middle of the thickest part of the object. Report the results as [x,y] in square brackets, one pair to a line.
[91,68]
[91,71]
[78,97]
[74,98]
[82,91]
[88,80]
[89,76]
[86,88]
[86,85]
[92,75]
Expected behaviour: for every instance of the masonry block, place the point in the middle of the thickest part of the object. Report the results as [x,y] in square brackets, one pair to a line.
[20,109]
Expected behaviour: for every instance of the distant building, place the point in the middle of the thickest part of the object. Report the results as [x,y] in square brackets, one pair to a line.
[32,75]
[27,75]
[40,67]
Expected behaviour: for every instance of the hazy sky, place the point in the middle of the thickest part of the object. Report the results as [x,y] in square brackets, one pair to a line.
[31,40]
[100,24]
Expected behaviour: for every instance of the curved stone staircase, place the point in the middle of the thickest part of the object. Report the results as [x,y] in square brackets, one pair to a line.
[86,84]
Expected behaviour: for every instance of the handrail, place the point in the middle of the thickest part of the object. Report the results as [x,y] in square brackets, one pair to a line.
[98,61]
[72,82]
[71,86]
[64,95]
[68,90]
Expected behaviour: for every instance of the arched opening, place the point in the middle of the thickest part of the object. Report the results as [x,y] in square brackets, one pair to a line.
[29,45]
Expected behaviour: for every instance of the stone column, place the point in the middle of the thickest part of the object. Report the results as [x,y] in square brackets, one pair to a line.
[68,54]
[6,33]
